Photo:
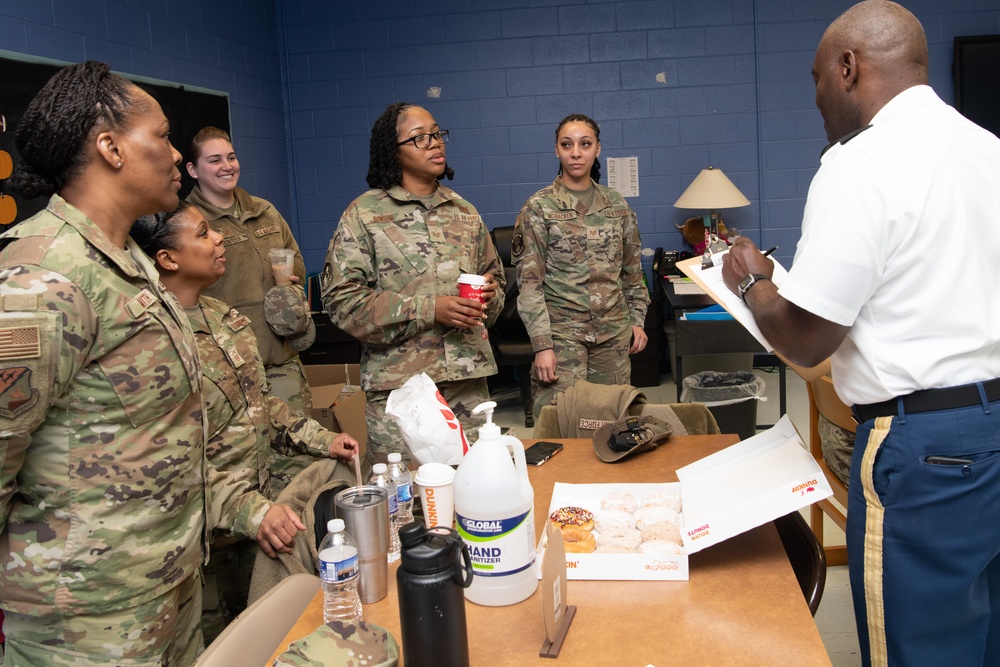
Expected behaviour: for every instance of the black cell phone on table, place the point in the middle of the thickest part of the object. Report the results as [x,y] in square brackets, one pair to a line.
[541,451]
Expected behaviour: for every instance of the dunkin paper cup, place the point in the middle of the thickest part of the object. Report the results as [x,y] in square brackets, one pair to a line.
[437,494]
[470,286]
[282,264]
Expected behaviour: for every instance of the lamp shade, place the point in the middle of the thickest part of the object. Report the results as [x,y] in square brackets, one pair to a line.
[711,189]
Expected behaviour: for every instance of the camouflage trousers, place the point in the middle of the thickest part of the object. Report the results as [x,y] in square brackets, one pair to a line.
[384,436]
[600,363]
[226,586]
[288,382]
[163,632]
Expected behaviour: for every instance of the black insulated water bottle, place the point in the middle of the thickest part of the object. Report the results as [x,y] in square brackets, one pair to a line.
[434,568]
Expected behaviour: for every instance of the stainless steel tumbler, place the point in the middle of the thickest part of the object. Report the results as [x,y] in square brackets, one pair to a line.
[365,511]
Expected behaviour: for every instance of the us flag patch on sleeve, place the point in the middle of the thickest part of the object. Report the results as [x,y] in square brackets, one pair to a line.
[20,342]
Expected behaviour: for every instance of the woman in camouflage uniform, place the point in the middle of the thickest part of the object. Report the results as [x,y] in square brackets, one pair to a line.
[245,421]
[250,227]
[577,250]
[391,272]
[102,452]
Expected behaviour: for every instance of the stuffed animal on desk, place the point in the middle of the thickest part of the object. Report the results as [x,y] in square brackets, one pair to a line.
[693,231]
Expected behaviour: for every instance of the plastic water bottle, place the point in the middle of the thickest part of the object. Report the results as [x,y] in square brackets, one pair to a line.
[338,570]
[401,476]
[380,477]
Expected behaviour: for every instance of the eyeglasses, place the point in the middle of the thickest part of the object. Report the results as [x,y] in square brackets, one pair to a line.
[425,140]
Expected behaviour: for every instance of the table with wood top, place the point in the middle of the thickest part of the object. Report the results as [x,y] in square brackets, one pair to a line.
[740,606]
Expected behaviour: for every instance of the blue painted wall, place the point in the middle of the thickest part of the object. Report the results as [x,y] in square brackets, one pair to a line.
[679,84]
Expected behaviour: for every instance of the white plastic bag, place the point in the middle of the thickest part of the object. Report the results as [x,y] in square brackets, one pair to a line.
[430,429]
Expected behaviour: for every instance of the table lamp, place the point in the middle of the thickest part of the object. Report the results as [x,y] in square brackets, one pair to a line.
[711,189]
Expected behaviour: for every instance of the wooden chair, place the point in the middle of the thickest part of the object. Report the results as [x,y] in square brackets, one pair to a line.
[823,400]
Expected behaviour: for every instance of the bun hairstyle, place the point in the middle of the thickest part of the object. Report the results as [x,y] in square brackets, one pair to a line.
[595,169]
[53,134]
[384,168]
[204,135]
[155,232]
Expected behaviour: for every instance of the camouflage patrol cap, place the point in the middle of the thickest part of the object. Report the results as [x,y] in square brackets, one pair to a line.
[304,340]
[616,440]
[286,310]
[338,643]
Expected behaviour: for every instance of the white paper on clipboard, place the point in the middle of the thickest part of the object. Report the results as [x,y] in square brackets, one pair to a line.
[710,280]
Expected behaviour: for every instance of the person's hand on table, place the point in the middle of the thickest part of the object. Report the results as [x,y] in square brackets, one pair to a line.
[278,529]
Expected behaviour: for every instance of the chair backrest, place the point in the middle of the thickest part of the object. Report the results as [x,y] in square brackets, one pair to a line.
[830,405]
[502,237]
[823,400]
[508,324]
[806,555]
[255,634]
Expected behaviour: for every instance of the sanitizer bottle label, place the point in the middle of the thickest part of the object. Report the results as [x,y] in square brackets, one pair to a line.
[499,546]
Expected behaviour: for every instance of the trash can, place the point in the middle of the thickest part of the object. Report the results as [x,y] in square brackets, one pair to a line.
[731,397]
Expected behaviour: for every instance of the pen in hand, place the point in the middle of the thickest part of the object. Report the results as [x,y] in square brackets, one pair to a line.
[768,252]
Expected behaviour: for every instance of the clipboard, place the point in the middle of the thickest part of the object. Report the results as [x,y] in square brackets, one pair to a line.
[710,280]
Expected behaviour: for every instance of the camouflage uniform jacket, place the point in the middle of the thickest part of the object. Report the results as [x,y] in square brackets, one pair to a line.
[578,271]
[390,258]
[248,276]
[245,421]
[102,458]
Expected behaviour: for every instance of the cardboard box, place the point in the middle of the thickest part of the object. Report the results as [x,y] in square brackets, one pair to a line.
[747,485]
[725,494]
[338,401]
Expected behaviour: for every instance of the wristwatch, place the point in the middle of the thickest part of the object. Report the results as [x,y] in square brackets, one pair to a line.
[749,282]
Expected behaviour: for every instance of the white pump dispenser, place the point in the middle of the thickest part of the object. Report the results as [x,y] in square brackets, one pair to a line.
[494,505]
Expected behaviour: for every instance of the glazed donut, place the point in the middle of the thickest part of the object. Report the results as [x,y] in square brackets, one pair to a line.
[584,546]
[574,522]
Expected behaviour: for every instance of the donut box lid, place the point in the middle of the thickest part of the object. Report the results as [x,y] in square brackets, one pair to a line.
[747,485]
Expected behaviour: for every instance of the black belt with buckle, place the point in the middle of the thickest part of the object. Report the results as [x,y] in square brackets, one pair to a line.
[929,400]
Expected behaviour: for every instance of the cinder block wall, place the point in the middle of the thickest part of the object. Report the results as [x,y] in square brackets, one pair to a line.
[679,84]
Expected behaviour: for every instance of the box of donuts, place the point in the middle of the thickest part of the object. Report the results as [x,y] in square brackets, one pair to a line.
[647,531]
[620,531]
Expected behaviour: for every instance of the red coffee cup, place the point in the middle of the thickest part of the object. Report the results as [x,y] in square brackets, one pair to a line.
[470,286]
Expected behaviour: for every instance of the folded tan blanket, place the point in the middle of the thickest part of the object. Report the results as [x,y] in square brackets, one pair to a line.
[301,494]
[585,407]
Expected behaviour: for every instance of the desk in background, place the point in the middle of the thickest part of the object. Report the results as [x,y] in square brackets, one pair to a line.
[741,606]
[695,337]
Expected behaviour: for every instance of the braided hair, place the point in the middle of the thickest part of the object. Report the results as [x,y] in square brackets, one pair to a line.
[595,169]
[53,134]
[384,168]
[156,232]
